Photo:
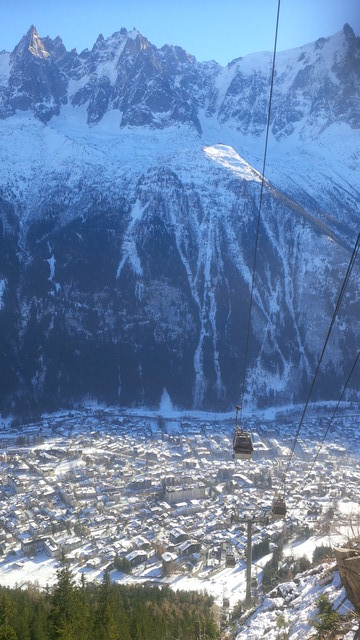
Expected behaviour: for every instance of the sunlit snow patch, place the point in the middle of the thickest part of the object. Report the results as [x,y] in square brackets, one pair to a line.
[129,245]
[2,291]
[166,406]
[228,158]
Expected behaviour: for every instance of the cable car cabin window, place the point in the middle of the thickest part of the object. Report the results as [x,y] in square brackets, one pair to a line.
[278,508]
[242,445]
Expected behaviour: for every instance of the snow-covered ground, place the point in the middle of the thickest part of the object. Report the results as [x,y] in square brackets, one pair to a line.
[294,605]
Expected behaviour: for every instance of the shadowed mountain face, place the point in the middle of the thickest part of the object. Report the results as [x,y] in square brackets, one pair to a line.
[127,230]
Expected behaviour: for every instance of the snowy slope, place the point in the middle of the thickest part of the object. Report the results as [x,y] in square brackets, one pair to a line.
[129,189]
[293,604]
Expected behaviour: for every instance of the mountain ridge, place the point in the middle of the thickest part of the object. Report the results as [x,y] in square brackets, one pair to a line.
[135,58]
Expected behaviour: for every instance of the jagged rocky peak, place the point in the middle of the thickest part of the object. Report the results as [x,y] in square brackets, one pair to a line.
[56,47]
[33,48]
[160,87]
[177,60]
[353,48]
[131,41]
[315,85]
[349,32]
[181,56]
[31,43]
[36,80]
[126,72]
[341,41]
[135,42]
[36,46]
[114,49]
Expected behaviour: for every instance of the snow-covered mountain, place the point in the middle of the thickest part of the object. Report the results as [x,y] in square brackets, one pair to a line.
[129,193]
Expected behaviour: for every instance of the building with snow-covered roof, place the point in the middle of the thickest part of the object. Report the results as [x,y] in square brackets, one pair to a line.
[136,557]
[189,547]
[169,562]
[184,492]
[177,536]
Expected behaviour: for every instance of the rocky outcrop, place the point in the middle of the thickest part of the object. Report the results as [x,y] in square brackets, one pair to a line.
[348,562]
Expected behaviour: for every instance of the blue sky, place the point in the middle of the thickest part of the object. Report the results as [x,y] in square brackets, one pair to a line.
[209,29]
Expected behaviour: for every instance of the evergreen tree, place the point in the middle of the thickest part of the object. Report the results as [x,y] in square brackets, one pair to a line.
[326,619]
[24,614]
[82,619]
[108,612]
[39,624]
[105,624]
[63,605]
[7,613]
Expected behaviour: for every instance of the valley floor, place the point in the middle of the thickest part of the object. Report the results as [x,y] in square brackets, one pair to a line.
[158,495]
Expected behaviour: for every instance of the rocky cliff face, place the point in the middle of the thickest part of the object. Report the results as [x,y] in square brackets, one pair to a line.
[127,230]
[348,562]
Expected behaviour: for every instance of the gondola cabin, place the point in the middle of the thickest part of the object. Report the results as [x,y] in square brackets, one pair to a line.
[242,445]
[278,508]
